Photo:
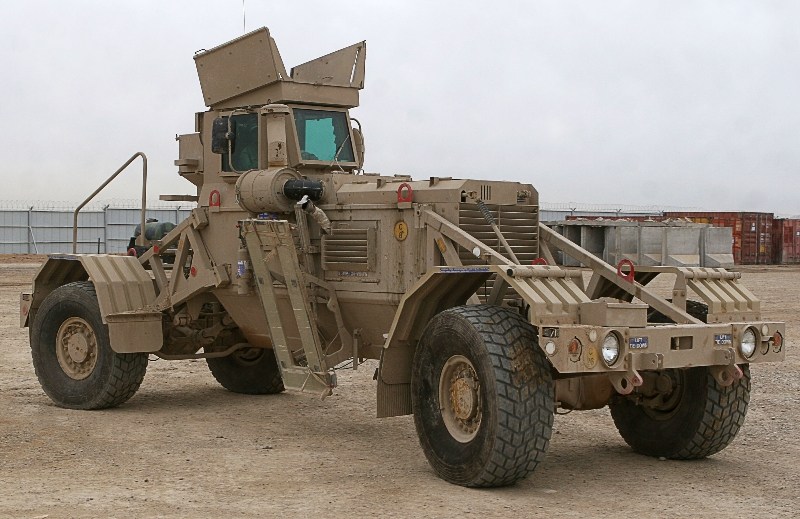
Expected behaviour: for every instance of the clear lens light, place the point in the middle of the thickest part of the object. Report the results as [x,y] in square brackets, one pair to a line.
[748,346]
[610,348]
[550,347]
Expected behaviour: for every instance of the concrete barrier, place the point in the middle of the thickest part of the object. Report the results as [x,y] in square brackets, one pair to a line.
[682,244]
[716,247]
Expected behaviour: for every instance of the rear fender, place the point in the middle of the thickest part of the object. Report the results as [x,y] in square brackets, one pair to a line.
[57,270]
[124,293]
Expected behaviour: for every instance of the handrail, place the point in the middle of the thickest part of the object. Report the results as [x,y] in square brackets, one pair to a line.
[140,239]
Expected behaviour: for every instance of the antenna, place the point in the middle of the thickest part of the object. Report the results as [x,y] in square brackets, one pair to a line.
[244,19]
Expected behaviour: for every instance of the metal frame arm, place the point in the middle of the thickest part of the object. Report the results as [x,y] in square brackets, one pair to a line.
[458,235]
[608,272]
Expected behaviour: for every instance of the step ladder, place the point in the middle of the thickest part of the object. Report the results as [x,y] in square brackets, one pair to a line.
[271,243]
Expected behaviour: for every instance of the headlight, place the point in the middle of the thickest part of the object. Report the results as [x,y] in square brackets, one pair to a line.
[610,348]
[550,348]
[748,345]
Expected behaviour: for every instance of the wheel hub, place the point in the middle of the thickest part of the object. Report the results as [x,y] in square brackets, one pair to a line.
[667,397]
[459,398]
[463,399]
[76,348]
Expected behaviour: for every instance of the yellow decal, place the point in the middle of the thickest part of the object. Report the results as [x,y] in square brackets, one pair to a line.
[441,245]
[401,230]
[590,359]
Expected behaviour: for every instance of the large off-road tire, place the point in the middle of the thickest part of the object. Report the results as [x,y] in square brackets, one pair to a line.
[252,371]
[698,418]
[482,396]
[72,354]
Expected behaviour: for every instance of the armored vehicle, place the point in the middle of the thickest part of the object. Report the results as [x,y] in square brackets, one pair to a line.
[296,262]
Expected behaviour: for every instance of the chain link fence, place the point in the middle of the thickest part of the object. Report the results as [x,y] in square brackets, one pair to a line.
[103,227]
[45,227]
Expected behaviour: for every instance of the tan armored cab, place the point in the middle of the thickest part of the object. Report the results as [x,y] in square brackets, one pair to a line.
[296,262]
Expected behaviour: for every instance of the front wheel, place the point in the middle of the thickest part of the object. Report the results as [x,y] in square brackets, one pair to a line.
[689,416]
[72,354]
[482,396]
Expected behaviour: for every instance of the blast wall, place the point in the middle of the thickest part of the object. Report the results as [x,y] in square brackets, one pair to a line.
[650,243]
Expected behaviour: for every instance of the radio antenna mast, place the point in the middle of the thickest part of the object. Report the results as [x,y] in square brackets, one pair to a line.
[244,19]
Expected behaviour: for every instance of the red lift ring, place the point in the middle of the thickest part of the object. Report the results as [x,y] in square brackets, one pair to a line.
[214,199]
[409,193]
[630,276]
[539,261]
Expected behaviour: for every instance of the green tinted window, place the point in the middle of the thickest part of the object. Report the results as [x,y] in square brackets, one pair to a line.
[323,135]
[245,145]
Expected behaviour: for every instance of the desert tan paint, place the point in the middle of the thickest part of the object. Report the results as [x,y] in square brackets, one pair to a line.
[399,251]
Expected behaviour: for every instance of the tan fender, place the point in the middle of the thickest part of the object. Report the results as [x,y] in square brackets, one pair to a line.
[125,293]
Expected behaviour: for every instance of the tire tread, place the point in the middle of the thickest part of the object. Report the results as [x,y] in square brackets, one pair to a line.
[127,369]
[525,418]
[724,415]
[263,378]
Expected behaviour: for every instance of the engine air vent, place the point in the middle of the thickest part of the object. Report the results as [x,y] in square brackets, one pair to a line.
[349,250]
[519,225]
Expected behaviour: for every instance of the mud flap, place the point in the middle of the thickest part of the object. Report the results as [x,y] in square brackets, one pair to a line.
[135,332]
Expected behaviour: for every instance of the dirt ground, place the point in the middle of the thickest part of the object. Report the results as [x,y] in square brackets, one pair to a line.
[184,447]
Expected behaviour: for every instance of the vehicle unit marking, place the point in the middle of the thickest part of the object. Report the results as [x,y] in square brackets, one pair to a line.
[723,339]
[457,270]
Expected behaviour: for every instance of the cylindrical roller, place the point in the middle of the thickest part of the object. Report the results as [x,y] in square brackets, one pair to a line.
[261,191]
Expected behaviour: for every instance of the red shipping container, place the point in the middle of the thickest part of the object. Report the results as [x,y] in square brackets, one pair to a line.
[752,232]
[786,241]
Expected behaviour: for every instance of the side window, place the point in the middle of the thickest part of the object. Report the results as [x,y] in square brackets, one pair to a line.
[245,144]
[323,135]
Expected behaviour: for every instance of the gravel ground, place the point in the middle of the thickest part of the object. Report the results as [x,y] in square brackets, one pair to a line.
[184,447]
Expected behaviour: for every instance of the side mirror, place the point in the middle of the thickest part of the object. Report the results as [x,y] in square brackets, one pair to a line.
[220,137]
[358,146]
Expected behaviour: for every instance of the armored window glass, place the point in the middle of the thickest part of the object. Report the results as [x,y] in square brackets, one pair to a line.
[245,143]
[323,135]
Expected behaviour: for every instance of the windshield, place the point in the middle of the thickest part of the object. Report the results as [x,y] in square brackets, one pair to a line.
[323,135]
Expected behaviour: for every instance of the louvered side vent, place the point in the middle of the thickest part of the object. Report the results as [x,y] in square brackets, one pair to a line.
[519,225]
[349,250]
[486,192]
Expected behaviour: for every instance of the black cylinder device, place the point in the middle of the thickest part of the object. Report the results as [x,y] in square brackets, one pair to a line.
[297,188]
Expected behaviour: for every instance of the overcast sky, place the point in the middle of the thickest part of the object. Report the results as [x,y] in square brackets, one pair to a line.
[665,103]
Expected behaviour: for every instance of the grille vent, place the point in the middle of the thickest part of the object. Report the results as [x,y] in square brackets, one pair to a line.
[519,225]
[349,250]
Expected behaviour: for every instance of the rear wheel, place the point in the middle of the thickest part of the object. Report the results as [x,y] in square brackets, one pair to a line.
[482,396]
[688,416]
[252,371]
[72,354]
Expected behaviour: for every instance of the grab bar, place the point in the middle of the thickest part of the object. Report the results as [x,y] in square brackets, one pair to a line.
[140,239]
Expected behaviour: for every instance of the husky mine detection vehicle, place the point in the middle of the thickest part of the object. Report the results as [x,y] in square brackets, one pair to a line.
[296,261]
